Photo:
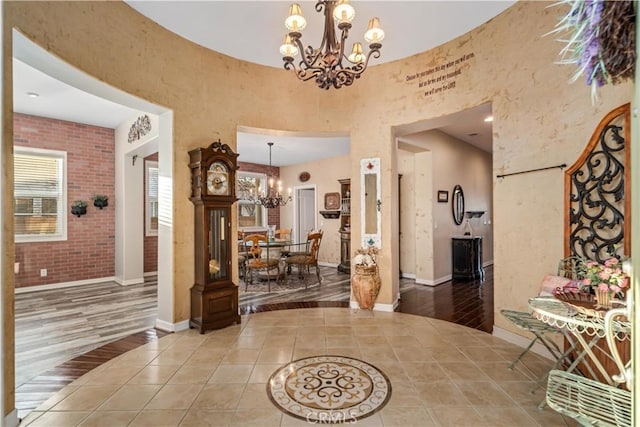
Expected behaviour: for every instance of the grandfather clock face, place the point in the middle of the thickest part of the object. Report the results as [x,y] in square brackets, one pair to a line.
[218,179]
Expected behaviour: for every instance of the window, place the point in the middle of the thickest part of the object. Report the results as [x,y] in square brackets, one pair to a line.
[151,199]
[250,215]
[39,195]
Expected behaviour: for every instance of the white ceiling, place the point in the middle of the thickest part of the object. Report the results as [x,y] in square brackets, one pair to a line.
[58,100]
[253,31]
[288,148]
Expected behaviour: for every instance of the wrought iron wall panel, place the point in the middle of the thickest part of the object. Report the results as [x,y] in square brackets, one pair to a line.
[595,188]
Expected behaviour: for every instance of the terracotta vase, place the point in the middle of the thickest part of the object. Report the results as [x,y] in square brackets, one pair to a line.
[603,298]
[366,285]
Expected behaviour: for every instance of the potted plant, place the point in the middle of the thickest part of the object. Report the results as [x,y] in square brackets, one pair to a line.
[606,280]
[79,208]
[100,201]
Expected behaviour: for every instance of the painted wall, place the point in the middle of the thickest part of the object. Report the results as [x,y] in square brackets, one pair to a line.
[150,242]
[324,175]
[454,162]
[407,213]
[88,252]
[540,119]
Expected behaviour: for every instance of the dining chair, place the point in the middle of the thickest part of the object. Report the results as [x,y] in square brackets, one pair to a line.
[308,258]
[243,255]
[256,262]
[301,248]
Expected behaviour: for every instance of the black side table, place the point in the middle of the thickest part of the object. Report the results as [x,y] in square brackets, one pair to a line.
[466,258]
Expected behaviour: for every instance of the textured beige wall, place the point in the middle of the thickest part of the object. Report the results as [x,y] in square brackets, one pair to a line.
[540,119]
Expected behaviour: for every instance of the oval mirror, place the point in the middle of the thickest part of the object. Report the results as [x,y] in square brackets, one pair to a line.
[457,204]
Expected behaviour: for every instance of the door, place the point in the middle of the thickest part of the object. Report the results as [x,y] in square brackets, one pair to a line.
[305,212]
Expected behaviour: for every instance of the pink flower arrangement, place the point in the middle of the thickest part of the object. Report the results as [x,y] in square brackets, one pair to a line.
[607,278]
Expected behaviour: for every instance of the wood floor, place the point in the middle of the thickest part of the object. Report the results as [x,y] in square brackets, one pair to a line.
[62,334]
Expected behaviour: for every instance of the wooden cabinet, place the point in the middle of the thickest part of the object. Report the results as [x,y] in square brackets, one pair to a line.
[466,258]
[345,226]
[214,297]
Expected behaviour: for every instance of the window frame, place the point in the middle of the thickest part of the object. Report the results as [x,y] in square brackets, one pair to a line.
[61,235]
[148,231]
[263,185]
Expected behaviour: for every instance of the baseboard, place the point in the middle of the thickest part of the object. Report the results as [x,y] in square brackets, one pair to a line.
[129,282]
[408,276]
[436,282]
[172,327]
[377,307]
[487,263]
[11,420]
[521,341]
[62,285]
[328,264]
[150,273]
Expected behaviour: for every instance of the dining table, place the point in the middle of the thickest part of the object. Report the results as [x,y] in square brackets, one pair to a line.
[600,359]
[268,244]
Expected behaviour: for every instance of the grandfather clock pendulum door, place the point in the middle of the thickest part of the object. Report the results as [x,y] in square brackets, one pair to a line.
[214,296]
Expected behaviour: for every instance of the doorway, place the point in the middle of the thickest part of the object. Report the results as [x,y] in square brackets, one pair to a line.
[304,212]
[52,71]
[434,156]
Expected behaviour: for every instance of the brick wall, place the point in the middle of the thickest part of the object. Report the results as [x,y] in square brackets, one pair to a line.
[89,250]
[273,215]
[150,242]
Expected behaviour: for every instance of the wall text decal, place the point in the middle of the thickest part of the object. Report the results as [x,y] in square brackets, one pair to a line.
[440,78]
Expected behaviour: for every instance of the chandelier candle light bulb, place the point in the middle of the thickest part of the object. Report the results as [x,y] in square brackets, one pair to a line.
[272,197]
[295,22]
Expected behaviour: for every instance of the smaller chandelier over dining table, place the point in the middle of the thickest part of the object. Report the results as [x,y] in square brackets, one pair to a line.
[328,64]
[272,197]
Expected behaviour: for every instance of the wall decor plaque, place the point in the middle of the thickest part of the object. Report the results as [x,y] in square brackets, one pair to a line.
[304,176]
[332,201]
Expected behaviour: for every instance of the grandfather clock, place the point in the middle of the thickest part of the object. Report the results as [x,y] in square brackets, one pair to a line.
[214,297]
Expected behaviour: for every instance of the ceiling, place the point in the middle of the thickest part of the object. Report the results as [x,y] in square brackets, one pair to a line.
[410,26]
[254,30]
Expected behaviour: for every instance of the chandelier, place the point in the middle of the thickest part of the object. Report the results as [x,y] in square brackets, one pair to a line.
[272,197]
[328,64]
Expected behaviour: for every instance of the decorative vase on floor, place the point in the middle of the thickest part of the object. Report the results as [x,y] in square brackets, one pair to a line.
[366,285]
[604,298]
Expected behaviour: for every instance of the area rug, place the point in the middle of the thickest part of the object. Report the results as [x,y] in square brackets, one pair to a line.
[329,389]
[290,283]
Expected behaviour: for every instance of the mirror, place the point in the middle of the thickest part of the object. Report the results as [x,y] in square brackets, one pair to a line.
[457,204]
[370,203]
[370,200]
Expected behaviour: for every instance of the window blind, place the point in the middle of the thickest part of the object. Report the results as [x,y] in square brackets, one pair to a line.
[38,194]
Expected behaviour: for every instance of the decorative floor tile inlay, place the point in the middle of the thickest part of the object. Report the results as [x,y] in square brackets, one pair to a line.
[329,389]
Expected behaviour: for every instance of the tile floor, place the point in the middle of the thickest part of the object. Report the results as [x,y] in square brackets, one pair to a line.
[441,374]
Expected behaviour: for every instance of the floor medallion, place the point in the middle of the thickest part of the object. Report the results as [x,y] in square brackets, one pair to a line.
[329,389]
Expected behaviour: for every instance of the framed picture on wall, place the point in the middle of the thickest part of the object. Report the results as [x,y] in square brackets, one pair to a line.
[443,196]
